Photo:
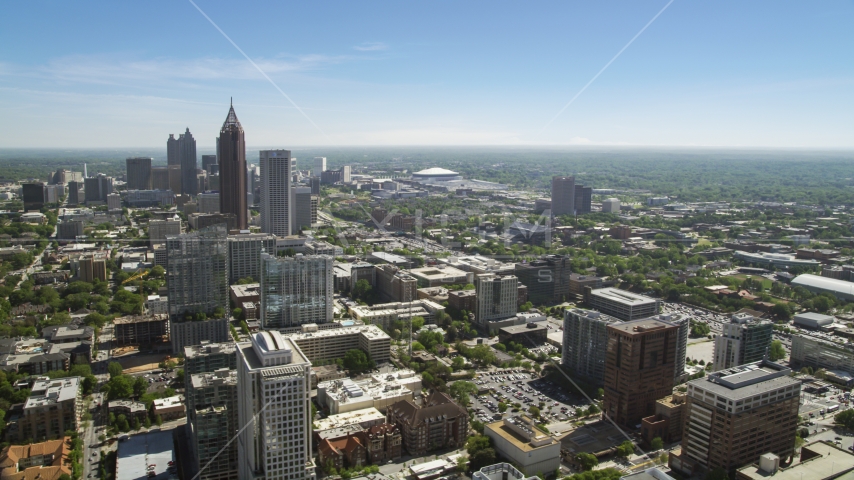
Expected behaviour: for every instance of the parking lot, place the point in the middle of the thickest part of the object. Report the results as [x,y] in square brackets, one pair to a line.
[514,386]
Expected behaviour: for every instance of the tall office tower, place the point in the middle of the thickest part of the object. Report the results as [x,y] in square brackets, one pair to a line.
[160,178]
[547,279]
[197,281]
[98,187]
[208,202]
[744,340]
[496,299]
[33,195]
[638,368]
[319,166]
[563,196]
[622,304]
[295,290]
[138,173]
[345,174]
[244,254]
[583,199]
[276,206]
[305,208]
[314,183]
[173,157]
[273,379]
[188,161]
[231,155]
[75,192]
[212,423]
[209,164]
[735,415]
[175,179]
[585,343]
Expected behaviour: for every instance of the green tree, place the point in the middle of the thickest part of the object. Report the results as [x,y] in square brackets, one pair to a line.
[119,387]
[625,449]
[502,407]
[357,361]
[781,311]
[482,458]
[776,352]
[458,363]
[114,369]
[845,418]
[587,461]
[657,443]
[140,386]
[362,289]
[461,390]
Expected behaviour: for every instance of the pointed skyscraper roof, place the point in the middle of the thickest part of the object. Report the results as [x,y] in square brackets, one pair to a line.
[231,122]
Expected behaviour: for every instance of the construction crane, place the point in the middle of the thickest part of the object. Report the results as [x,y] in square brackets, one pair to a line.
[139,276]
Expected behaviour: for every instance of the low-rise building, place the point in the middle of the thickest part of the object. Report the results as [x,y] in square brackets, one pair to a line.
[439,423]
[519,440]
[377,391]
[43,461]
[333,343]
[440,275]
[129,409]
[170,408]
[385,314]
[813,320]
[528,334]
[622,304]
[463,300]
[668,421]
[53,407]
[365,418]
[817,461]
[375,444]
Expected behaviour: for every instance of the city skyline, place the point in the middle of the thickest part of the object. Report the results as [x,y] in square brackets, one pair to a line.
[699,75]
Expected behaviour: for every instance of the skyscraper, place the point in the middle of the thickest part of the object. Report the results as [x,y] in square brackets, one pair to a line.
[209,164]
[305,208]
[735,415]
[744,340]
[639,368]
[97,188]
[295,290]
[277,208]
[244,254]
[212,421]
[319,166]
[583,199]
[585,343]
[187,160]
[496,299]
[138,173]
[273,378]
[231,153]
[563,196]
[172,155]
[197,281]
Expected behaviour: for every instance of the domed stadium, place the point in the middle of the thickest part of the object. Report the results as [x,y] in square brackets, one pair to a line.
[436,175]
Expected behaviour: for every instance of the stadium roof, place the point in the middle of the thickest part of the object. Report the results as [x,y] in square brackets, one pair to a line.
[840,287]
[432,172]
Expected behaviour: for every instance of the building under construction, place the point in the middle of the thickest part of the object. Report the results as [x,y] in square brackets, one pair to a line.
[141,329]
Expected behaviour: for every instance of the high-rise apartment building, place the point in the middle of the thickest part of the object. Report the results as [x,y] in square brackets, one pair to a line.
[277,207]
[138,173]
[244,254]
[622,304]
[159,229]
[680,349]
[212,423]
[75,193]
[735,415]
[188,161]
[295,290]
[745,339]
[173,157]
[585,343]
[274,409]
[305,208]
[547,279]
[639,367]
[197,281]
[319,166]
[563,196]
[231,153]
[496,299]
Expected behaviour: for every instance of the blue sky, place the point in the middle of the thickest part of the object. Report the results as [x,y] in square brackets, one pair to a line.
[724,73]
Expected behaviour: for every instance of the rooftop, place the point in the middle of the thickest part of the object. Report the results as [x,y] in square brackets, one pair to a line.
[371,331]
[49,392]
[246,290]
[829,462]
[524,328]
[638,327]
[516,439]
[209,348]
[349,418]
[435,171]
[622,296]
[223,376]
[746,380]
